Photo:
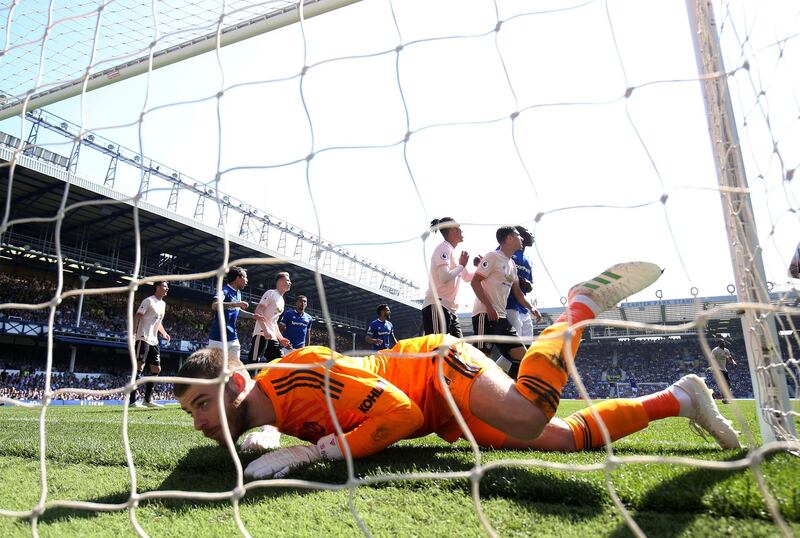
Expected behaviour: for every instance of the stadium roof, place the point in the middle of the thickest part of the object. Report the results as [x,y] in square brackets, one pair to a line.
[100,236]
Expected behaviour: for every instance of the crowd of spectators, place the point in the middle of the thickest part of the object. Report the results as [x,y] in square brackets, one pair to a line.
[104,316]
[653,364]
[27,383]
[604,365]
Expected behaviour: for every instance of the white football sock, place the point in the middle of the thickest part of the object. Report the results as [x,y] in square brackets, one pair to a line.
[685,401]
[593,306]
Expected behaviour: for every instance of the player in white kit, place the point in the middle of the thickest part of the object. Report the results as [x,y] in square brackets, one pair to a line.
[446,275]
[149,325]
[267,337]
[496,278]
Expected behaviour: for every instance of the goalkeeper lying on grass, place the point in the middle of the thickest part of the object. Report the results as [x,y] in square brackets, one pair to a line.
[380,399]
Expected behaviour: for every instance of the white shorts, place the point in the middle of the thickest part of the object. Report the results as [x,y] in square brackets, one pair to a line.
[522,322]
[233,347]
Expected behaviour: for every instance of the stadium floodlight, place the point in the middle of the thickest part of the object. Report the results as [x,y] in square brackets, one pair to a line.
[137,158]
[64,125]
[90,138]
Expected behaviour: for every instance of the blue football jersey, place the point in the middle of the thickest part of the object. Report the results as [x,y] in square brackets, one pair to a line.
[523,264]
[380,329]
[297,326]
[229,295]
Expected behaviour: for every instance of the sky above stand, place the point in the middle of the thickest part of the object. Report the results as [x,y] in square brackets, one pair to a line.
[597,176]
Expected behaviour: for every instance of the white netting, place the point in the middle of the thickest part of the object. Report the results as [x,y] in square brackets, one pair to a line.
[444,87]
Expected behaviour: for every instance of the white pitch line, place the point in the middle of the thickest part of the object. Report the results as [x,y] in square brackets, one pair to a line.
[55,420]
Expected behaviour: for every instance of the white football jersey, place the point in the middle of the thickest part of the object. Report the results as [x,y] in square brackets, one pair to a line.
[271,307]
[499,272]
[446,275]
[721,357]
[152,311]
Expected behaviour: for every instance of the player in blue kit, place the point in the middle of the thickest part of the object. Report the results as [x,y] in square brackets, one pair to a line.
[295,323]
[233,306]
[380,332]
[519,316]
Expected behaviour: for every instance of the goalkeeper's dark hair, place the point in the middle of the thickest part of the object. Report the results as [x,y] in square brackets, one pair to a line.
[203,364]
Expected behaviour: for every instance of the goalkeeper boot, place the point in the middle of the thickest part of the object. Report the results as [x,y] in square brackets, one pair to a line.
[137,404]
[615,284]
[706,415]
[152,404]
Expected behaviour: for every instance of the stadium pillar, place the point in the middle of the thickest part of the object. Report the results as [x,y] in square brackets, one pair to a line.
[84,279]
[761,337]
[73,350]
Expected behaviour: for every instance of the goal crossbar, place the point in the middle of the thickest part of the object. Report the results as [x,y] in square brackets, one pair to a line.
[277,18]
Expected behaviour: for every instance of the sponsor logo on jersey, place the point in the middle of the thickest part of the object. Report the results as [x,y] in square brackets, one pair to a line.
[372,397]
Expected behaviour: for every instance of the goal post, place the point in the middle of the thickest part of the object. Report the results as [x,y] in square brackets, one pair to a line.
[530,150]
[159,56]
[775,419]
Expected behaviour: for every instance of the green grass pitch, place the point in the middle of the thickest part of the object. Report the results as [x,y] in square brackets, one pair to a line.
[85,461]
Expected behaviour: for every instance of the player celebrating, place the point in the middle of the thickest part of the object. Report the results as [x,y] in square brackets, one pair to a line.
[386,397]
[445,276]
[149,325]
[233,307]
[295,323]
[496,278]
[380,332]
[267,337]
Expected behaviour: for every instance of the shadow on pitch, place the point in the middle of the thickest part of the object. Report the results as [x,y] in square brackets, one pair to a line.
[210,469]
[671,507]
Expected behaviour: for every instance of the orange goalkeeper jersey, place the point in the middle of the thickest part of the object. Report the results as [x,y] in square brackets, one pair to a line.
[378,399]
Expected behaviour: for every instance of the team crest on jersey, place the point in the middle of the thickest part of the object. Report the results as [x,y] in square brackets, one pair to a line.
[444,255]
[314,427]
[485,264]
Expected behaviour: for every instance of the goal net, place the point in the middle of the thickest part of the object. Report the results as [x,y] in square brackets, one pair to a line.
[330,133]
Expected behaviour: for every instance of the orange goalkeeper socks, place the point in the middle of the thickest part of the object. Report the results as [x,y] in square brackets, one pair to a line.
[580,309]
[621,417]
[660,405]
[542,371]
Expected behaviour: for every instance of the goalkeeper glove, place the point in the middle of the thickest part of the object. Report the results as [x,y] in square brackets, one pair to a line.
[263,439]
[277,464]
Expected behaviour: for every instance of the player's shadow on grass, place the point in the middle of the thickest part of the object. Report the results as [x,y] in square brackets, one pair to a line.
[671,507]
[516,484]
[210,469]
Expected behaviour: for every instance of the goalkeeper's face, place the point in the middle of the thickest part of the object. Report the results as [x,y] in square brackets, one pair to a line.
[202,403]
